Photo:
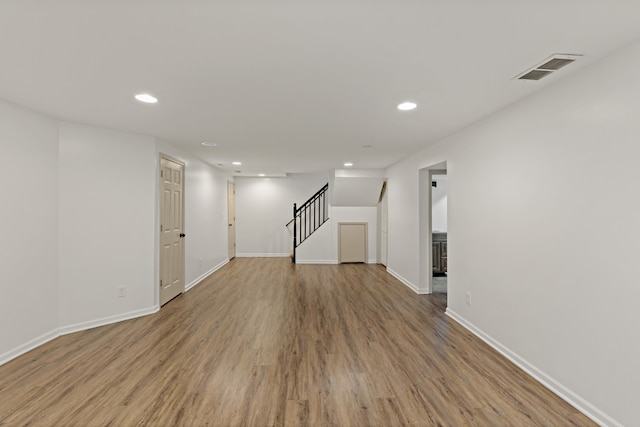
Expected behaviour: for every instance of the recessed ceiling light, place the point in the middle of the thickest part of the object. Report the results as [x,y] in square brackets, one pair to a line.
[145,97]
[406,106]
[236,163]
[209,144]
[348,164]
[260,174]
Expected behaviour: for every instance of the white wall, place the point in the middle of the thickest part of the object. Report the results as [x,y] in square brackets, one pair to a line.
[356,191]
[264,206]
[29,253]
[206,240]
[107,205]
[544,233]
[403,248]
[320,247]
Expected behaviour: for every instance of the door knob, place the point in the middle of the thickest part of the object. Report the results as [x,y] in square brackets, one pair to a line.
[182,234]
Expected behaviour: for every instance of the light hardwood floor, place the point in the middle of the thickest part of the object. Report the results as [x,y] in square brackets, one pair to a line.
[262,342]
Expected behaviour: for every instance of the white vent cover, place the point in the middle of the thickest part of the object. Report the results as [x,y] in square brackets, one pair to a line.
[548,66]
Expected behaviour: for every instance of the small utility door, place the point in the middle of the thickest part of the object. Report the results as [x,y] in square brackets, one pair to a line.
[231,202]
[171,229]
[352,242]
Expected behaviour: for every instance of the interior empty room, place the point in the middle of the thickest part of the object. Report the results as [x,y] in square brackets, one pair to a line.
[319,213]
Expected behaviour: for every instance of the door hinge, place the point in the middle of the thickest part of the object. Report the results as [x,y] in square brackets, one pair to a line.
[160,227]
[161,173]
[160,283]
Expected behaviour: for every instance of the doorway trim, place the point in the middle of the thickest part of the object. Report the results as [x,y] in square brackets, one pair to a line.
[426,225]
[383,226]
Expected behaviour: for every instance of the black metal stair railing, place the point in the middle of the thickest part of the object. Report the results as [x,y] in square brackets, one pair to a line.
[309,217]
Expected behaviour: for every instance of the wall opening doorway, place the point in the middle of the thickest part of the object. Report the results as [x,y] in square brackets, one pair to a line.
[430,250]
[382,216]
[439,253]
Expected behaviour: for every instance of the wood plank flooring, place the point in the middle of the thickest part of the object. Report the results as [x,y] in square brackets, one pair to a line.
[264,343]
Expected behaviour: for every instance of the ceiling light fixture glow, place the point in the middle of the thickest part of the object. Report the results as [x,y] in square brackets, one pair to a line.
[348,164]
[209,144]
[406,106]
[260,174]
[145,97]
[236,163]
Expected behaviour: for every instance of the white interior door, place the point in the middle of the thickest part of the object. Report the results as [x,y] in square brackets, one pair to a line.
[352,242]
[171,229]
[231,193]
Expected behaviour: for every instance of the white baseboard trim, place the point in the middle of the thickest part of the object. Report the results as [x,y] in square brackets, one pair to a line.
[316,261]
[205,275]
[563,392]
[271,255]
[28,346]
[324,261]
[82,326]
[44,338]
[405,282]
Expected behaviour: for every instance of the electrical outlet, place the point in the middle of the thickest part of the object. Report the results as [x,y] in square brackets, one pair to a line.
[122,291]
[468,298]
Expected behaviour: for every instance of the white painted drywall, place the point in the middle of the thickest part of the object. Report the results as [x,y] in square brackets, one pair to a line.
[205,215]
[107,204]
[29,213]
[264,206]
[439,203]
[543,232]
[356,191]
[319,247]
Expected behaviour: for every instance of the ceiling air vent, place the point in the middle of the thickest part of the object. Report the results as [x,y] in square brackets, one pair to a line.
[548,66]
[535,75]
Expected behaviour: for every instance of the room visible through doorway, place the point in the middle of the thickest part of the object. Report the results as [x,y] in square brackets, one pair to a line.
[439,232]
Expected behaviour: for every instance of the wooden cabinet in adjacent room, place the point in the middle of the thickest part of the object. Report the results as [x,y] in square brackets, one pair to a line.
[439,253]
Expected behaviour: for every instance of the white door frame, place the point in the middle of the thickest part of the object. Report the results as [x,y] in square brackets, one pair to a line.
[231,228]
[426,226]
[383,226]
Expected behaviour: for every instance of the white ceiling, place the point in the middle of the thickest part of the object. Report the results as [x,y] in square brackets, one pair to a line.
[294,86]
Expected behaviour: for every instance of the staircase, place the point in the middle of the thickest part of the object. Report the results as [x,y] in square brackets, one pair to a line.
[309,217]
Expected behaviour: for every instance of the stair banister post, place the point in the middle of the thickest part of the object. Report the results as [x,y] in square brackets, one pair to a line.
[293,258]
